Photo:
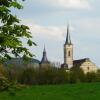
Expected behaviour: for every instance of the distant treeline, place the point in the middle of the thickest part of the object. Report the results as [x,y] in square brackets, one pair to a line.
[50,75]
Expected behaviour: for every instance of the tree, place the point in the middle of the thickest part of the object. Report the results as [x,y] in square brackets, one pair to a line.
[11,32]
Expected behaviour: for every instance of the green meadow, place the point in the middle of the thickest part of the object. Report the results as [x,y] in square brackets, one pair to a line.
[82,91]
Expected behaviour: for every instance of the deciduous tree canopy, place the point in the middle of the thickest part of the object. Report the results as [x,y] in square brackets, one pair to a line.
[11,32]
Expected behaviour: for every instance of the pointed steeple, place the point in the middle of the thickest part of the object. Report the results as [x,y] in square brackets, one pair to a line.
[44,49]
[44,58]
[68,40]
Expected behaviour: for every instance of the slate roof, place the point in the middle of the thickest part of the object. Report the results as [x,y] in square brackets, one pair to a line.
[68,39]
[44,57]
[77,63]
[20,61]
[81,60]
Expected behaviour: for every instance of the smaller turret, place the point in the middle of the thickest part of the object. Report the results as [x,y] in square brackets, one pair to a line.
[44,61]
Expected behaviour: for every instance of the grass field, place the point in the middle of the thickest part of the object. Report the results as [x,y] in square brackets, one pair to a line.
[89,91]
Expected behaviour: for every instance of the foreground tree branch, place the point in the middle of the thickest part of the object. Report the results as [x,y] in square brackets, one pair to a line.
[11,32]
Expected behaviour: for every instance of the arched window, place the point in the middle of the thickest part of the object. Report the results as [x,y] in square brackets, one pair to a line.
[69,53]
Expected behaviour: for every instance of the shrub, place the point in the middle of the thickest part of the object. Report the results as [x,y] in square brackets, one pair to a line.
[91,77]
[2,70]
[27,76]
[4,83]
[98,76]
[50,75]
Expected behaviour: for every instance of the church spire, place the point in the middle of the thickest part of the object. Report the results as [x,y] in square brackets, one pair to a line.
[44,58]
[68,51]
[44,49]
[68,40]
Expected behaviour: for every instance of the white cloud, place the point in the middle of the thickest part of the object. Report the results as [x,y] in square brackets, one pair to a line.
[83,27]
[71,3]
[52,32]
[78,4]
[90,26]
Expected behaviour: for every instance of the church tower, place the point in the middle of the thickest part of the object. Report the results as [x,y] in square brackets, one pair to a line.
[44,61]
[68,51]
[44,57]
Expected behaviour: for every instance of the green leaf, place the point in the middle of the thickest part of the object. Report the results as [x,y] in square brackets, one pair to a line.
[16,5]
[12,32]
[29,42]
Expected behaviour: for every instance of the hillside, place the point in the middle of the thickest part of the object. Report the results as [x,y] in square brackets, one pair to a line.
[21,63]
[90,91]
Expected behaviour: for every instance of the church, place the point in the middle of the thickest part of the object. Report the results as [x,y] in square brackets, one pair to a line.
[69,63]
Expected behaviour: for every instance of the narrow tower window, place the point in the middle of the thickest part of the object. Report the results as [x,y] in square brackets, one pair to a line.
[88,68]
[69,53]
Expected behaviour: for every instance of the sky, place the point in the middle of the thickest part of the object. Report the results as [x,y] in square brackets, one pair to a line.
[48,20]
